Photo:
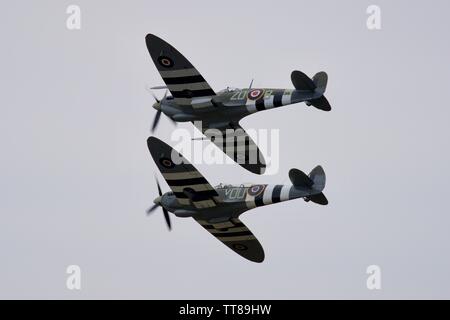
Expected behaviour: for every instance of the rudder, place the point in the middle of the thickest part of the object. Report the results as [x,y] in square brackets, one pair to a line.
[317,175]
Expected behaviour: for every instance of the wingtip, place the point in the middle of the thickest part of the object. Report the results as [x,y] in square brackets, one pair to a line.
[319,168]
[259,260]
[260,257]
[260,170]
[151,141]
[150,40]
[149,36]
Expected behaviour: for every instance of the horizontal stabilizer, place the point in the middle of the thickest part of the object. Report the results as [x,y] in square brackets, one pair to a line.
[320,103]
[319,199]
[300,179]
[301,81]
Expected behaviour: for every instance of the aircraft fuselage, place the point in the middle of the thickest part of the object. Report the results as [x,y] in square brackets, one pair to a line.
[238,199]
[232,105]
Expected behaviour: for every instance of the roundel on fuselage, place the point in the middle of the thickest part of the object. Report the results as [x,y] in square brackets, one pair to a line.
[255,94]
[255,190]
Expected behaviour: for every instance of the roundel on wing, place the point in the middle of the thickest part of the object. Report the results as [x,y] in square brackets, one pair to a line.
[166,163]
[255,190]
[166,62]
[255,94]
[240,246]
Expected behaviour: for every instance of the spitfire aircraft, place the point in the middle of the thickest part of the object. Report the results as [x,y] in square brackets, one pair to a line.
[194,100]
[218,209]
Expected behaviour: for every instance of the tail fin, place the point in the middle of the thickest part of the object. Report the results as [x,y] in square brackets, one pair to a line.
[318,85]
[315,182]
[320,80]
[317,175]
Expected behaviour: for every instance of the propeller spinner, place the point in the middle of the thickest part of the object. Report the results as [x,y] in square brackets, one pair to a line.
[157,203]
[157,106]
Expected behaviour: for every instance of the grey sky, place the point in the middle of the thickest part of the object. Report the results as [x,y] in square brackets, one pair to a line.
[77,176]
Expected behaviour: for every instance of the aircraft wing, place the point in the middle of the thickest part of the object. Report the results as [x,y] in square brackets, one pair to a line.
[232,139]
[182,79]
[187,184]
[236,236]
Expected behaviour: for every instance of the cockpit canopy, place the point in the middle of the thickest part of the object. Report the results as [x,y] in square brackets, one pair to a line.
[225,185]
[228,89]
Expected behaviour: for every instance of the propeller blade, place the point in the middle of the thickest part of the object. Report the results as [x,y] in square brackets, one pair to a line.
[167,217]
[154,97]
[158,87]
[158,204]
[151,92]
[159,187]
[152,208]
[156,120]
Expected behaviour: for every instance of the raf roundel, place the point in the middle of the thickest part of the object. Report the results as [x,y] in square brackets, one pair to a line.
[255,94]
[255,190]
[166,62]
[166,163]
[240,247]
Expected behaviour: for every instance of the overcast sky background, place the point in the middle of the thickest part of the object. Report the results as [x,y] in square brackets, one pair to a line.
[76,175]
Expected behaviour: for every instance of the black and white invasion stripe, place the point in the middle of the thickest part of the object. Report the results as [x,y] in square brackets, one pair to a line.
[232,230]
[238,145]
[271,194]
[186,85]
[277,99]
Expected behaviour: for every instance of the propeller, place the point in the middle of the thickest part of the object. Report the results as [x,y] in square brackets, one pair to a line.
[158,87]
[157,202]
[157,106]
[155,120]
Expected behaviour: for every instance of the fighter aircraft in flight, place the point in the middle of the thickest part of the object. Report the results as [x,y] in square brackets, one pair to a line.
[194,100]
[218,209]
